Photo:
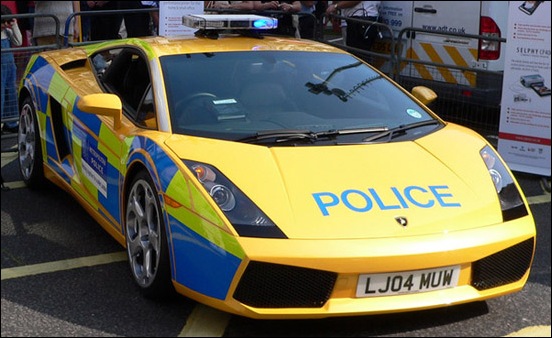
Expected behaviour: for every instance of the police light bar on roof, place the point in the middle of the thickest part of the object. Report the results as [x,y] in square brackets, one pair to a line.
[229,21]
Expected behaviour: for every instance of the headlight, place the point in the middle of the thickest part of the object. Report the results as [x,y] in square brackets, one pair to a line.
[245,216]
[509,196]
[222,195]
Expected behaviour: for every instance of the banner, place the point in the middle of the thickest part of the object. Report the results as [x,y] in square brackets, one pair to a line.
[524,130]
[171,13]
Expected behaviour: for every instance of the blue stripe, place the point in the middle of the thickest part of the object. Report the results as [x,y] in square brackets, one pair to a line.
[39,62]
[111,203]
[165,168]
[91,121]
[201,265]
[43,74]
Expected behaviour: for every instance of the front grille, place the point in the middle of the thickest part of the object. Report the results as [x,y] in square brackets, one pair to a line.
[267,285]
[504,267]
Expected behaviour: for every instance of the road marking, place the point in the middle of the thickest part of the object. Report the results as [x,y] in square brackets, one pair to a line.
[532,331]
[9,155]
[68,264]
[14,185]
[204,321]
[538,199]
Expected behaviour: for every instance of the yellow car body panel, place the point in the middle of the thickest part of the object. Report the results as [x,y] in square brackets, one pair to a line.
[295,174]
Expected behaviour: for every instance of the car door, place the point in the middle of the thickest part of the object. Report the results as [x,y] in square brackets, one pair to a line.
[100,141]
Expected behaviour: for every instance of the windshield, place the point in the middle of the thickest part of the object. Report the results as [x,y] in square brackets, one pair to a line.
[241,95]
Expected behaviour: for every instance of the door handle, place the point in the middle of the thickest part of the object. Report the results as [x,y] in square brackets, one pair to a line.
[425,10]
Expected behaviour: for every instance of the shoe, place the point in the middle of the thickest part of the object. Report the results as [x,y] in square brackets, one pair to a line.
[8,129]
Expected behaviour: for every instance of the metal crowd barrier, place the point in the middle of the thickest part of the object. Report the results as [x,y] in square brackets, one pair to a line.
[476,106]
[21,56]
[455,103]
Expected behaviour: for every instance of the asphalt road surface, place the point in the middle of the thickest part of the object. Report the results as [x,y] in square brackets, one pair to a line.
[62,275]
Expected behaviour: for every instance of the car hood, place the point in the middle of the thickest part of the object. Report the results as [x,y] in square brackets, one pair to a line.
[434,185]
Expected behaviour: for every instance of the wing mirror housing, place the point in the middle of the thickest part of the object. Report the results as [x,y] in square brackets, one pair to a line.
[103,104]
[424,94]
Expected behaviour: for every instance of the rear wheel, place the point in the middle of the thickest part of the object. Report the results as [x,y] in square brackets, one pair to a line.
[29,147]
[146,239]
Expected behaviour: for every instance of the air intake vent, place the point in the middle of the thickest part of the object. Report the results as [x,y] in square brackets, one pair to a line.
[504,267]
[266,285]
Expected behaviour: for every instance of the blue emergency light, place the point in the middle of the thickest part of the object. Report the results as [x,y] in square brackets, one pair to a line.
[229,21]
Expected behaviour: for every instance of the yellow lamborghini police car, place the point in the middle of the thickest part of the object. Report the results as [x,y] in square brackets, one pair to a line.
[273,177]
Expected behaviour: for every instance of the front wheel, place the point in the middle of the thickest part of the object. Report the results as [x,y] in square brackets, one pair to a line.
[146,239]
[29,147]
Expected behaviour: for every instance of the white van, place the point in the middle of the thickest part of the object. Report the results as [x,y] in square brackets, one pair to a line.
[489,18]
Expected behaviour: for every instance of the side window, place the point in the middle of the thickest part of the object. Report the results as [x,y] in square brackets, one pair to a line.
[124,72]
[102,61]
[135,81]
[146,117]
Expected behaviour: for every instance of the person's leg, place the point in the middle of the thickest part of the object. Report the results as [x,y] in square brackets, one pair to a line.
[307,25]
[354,36]
[371,33]
[4,78]
[343,27]
[4,75]
[105,26]
[361,35]
[10,100]
[138,24]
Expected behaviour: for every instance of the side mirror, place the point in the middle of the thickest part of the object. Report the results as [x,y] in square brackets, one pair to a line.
[424,94]
[103,104]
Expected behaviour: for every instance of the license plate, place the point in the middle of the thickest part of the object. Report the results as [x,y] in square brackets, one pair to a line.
[386,284]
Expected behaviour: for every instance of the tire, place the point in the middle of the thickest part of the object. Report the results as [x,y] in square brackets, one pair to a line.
[146,239]
[29,147]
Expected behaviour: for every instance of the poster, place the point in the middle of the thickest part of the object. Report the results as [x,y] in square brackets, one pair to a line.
[171,13]
[524,130]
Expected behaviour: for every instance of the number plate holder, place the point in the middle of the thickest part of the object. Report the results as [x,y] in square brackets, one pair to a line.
[388,284]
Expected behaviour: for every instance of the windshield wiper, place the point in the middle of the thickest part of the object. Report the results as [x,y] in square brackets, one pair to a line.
[280,135]
[336,132]
[391,133]
[286,135]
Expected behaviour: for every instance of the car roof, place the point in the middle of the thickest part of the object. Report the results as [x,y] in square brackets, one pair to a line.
[161,46]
